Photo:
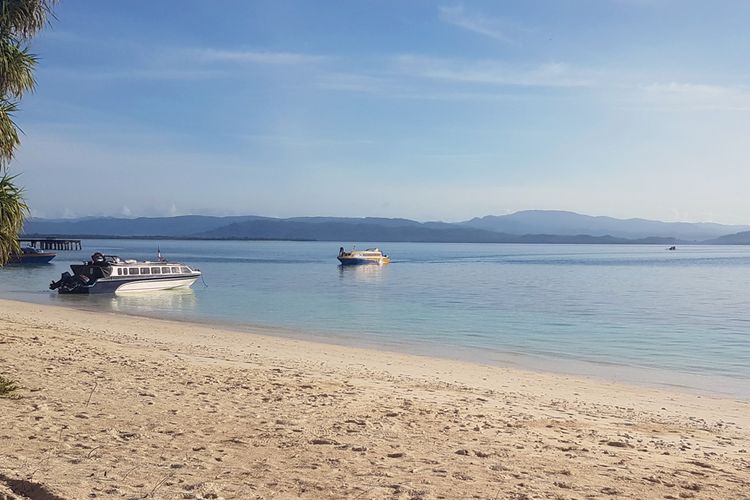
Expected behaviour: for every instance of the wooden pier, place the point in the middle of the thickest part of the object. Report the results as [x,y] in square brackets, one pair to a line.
[51,243]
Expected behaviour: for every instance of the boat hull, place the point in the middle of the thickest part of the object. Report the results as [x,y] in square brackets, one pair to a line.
[32,259]
[119,286]
[359,261]
[151,285]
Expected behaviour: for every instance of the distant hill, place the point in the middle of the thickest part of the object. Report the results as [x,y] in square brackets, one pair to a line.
[742,238]
[378,221]
[571,223]
[179,226]
[522,227]
[348,230]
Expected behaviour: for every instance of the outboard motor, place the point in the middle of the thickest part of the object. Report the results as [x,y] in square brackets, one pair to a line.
[70,284]
[65,277]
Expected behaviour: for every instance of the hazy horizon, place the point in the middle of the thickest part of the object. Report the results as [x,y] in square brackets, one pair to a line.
[429,111]
[121,216]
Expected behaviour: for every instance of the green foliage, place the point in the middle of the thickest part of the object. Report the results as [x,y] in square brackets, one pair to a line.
[8,132]
[16,68]
[13,211]
[19,21]
[7,387]
[24,18]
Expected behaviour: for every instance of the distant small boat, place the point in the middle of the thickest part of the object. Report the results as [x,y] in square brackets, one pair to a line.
[672,248]
[31,256]
[362,257]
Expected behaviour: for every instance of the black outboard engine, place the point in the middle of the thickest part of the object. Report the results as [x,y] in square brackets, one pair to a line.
[70,284]
[57,284]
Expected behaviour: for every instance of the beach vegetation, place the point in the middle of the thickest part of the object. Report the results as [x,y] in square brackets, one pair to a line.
[7,387]
[12,212]
[20,20]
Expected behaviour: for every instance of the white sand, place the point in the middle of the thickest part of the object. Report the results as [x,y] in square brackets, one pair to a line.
[114,406]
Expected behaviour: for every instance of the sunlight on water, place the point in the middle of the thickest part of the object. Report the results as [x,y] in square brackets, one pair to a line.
[682,314]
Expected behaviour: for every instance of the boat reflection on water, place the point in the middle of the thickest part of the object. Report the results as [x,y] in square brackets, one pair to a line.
[179,299]
[160,302]
[362,273]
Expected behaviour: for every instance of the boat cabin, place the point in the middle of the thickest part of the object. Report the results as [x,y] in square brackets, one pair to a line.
[111,266]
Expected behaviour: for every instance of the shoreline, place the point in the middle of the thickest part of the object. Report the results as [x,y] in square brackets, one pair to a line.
[604,371]
[119,406]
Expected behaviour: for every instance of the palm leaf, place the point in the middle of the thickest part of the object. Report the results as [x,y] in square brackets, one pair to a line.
[16,68]
[8,132]
[19,21]
[23,18]
[13,211]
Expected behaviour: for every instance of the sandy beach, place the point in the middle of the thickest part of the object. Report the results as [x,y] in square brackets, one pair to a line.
[114,406]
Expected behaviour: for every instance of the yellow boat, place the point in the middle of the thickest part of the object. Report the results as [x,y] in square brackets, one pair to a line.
[362,257]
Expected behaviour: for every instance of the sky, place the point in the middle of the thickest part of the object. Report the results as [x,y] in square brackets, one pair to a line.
[405,108]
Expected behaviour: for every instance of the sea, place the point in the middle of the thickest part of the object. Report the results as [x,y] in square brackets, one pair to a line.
[630,313]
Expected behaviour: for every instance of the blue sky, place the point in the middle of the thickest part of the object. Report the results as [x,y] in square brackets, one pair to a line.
[419,109]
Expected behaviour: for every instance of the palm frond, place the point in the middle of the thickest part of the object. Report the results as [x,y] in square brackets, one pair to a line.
[19,21]
[13,211]
[16,68]
[8,132]
[24,18]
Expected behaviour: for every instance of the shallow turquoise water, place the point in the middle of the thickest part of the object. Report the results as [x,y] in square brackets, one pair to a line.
[634,313]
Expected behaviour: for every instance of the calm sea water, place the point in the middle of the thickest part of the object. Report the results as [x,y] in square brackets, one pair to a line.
[633,313]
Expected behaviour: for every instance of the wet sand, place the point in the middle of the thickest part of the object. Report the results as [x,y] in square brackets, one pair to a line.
[114,406]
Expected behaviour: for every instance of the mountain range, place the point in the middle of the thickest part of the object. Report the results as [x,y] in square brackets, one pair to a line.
[529,226]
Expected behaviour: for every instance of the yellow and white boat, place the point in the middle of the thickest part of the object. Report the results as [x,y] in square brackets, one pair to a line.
[362,257]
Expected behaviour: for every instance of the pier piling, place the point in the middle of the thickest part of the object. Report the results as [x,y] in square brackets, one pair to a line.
[51,243]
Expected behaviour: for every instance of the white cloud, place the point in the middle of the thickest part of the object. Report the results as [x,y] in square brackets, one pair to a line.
[352,82]
[690,89]
[554,74]
[474,22]
[255,56]
[184,64]
[291,141]
[134,73]
[697,96]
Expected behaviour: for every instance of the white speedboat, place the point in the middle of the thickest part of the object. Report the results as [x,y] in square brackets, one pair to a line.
[110,274]
[360,257]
